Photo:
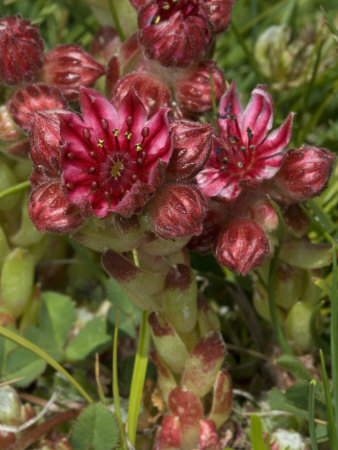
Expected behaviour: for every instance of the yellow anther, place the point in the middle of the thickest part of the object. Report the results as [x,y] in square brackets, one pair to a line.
[128,135]
[157,20]
[100,143]
[240,164]
[115,132]
[166,5]
[138,147]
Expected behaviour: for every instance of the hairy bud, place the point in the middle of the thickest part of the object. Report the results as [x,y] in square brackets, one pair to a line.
[305,172]
[69,68]
[177,211]
[241,245]
[20,50]
[34,98]
[193,90]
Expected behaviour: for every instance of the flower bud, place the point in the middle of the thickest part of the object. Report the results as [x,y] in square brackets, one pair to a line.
[180,298]
[203,364]
[187,406]
[69,68]
[50,210]
[297,327]
[193,87]
[20,50]
[153,93]
[16,281]
[263,213]
[191,149]
[105,44]
[34,98]
[140,283]
[177,35]
[168,344]
[305,172]
[219,13]
[9,132]
[208,436]
[177,211]
[241,245]
[222,399]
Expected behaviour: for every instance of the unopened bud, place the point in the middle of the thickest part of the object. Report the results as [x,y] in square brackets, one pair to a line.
[20,50]
[241,245]
[34,98]
[191,149]
[180,298]
[16,282]
[193,87]
[153,92]
[69,68]
[305,172]
[177,211]
[219,13]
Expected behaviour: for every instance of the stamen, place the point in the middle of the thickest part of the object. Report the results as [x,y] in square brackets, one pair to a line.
[134,177]
[100,143]
[128,135]
[251,147]
[115,171]
[104,124]
[91,170]
[240,164]
[157,20]
[166,5]
[106,195]
[69,186]
[93,185]
[115,132]
[218,150]
[70,155]
[138,147]
[232,139]
[243,149]
[86,133]
[129,121]
[92,154]
[225,160]
[139,161]
[223,168]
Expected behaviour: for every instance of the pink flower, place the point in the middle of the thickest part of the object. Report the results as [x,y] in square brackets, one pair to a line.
[243,154]
[175,32]
[20,50]
[113,159]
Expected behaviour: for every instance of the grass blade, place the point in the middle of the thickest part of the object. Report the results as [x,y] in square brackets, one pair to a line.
[312,427]
[257,437]
[334,335]
[8,334]
[328,401]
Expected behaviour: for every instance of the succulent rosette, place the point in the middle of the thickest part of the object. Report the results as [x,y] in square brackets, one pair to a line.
[243,154]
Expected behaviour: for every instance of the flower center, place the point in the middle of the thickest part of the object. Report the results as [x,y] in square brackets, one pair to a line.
[116,170]
[167,8]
